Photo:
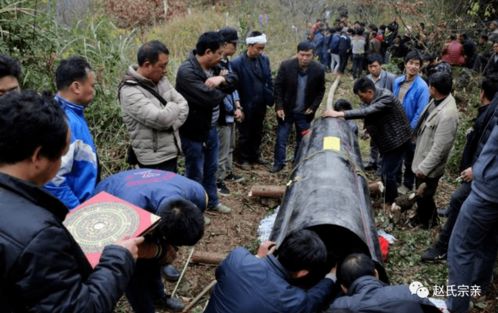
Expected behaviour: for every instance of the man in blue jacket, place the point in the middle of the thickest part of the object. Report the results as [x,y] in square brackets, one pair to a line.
[256,92]
[266,282]
[472,248]
[413,93]
[76,179]
[43,269]
[172,197]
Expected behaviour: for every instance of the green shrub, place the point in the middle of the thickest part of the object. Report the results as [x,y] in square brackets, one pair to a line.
[30,34]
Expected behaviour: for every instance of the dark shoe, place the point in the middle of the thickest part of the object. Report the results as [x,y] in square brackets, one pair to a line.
[430,223]
[170,273]
[371,167]
[276,168]
[378,172]
[414,222]
[222,188]
[169,303]
[260,161]
[235,178]
[434,255]
[404,190]
[245,166]
[443,212]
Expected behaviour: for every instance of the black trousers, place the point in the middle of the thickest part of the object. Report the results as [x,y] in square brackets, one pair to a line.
[426,207]
[251,134]
[170,165]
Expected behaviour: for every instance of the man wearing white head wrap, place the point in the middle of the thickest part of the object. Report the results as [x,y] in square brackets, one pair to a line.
[261,39]
[256,92]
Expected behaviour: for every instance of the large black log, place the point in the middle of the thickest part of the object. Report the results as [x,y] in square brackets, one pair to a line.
[328,193]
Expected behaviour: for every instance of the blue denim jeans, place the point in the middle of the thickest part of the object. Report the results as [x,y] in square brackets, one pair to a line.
[456,202]
[472,249]
[283,130]
[201,163]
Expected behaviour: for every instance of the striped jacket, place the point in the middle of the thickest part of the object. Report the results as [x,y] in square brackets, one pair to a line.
[77,177]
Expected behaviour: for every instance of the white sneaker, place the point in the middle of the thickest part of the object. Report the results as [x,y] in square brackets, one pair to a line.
[207,220]
[403,190]
[221,208]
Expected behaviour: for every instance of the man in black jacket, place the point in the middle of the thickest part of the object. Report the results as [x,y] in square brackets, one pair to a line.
[200,83]
[299,89]
[256,92]
[387,125]
[43,269]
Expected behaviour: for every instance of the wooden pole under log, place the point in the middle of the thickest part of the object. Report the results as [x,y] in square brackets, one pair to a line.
[207,257]
[267,191]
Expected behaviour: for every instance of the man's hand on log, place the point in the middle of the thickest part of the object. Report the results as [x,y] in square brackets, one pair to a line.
[332,113]
[267,247]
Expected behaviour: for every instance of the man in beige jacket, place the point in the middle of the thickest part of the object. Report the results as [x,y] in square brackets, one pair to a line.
[153,110]
[435,133]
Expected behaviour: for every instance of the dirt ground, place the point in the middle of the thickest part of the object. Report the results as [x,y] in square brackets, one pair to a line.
[239,228]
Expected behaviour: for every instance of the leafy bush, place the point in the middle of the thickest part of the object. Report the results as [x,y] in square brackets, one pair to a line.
[28,36]
[31,35]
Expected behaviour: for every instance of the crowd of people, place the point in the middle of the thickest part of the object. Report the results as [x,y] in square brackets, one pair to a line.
[336,45]
[214,114]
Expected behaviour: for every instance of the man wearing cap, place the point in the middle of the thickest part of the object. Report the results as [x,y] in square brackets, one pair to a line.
[230,112]
[256,92]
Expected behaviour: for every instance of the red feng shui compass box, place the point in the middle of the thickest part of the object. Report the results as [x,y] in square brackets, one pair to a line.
[105,219]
